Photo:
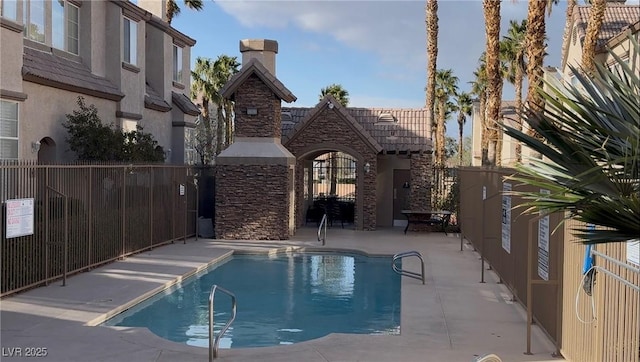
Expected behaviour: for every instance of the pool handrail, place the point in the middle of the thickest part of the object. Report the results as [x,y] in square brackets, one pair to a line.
[323,222]
[410,274]
[214,342]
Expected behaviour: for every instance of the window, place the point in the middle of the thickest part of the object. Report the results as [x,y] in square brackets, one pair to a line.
[130,41]
[56,25]
[65,26]
[129,125]
[190,154]
[34,20]
[9,9]
[8,130]
[177,64]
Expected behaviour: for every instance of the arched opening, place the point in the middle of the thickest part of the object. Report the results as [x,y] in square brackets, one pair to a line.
[330,185]
[46,150]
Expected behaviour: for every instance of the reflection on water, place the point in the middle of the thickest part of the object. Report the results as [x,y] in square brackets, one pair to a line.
[281,300]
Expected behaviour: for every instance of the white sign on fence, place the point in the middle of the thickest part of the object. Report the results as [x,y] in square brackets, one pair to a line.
[506,218]
[543,245]
[19,220]
[633,251]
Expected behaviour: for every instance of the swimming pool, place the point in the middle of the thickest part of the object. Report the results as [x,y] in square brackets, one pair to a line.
[281,299]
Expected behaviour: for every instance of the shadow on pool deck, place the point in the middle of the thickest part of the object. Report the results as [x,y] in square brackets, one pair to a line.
[451,318]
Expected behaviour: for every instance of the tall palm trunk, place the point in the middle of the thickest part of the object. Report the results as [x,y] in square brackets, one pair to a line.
[596,18]
[440,140]
[220,146]
[536,33]
[484,139]
[518,85]
[432,56]
[494,77]
[460,146]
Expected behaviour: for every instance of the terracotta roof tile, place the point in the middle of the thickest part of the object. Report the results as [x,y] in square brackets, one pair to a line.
[184,103]
[152,100]
[254,66]
[52,70]
[408,134]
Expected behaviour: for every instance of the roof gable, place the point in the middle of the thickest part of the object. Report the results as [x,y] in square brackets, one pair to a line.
[408,133]
[254,66]
[329,102]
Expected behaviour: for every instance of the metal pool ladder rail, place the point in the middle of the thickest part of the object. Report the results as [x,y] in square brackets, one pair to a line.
[410,274]
[322,236]
[213,344]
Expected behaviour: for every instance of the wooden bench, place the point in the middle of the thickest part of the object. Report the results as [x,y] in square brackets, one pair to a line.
[438,218]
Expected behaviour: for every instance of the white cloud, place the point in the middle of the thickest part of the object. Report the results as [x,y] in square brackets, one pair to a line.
[393,31]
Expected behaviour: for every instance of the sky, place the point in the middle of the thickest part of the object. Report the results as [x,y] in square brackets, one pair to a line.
[375,49]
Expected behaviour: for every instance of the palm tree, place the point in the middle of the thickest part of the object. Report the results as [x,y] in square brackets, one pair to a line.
[596,18]
[494,77]
[591,166]
[208,78]
[203,86]
[173,9]
[342,96]
[432,57]
[463,105]
[338,92]
[515,47]
[446,86]
[479,89]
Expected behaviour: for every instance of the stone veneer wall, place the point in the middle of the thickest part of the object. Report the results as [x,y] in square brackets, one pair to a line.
[254,93]
[421,171]
[259,210]
[329,131]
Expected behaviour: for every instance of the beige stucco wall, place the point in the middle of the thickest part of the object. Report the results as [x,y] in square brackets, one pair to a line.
[10,64]
[133,83]
[384,186]
[43,113]
[92,31]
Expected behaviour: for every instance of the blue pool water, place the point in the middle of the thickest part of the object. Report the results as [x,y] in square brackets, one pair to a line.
[281,299]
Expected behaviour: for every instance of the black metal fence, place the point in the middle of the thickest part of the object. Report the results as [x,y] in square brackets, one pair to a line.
[445,191]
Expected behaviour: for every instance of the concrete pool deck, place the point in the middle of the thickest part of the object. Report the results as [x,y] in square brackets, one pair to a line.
[451,318]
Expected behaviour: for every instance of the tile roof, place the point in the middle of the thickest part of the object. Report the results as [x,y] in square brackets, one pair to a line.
[152,100]
[616,18]
[254,66]
[55,71]
[184,103]
[328,100]
[407,134]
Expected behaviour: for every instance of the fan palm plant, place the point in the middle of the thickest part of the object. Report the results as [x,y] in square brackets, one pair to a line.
[432,57]
[446,86]
[591,152]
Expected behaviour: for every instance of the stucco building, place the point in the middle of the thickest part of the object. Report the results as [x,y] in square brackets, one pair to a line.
[121,57]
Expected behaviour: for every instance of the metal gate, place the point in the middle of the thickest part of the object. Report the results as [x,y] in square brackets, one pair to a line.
[445,192]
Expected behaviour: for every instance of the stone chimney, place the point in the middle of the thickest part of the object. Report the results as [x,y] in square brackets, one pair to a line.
[254,176]
[264,50]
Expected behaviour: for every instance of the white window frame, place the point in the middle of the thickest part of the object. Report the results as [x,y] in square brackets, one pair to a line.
[190,154]
[28,14]
[10,13]
[177,64]
[15,138]
[130,42]
[69,40]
